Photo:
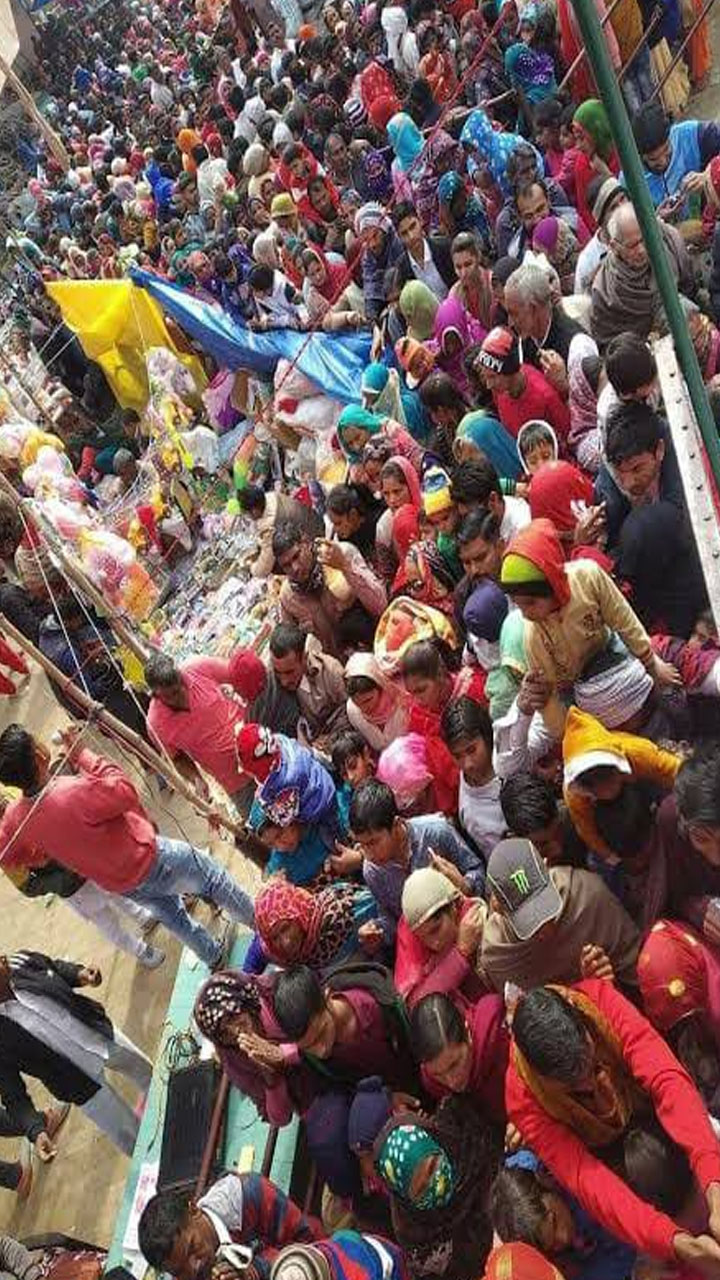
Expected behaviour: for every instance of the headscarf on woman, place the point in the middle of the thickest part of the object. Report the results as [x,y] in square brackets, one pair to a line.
[376,83]
[405,529]
[450,1220]
[353,415]
[383,109]
[493,149]
[658,559]
[406,140]
[404,622]
[419,307]
[480,432]
[593,118]
[584,436]
[418,768]
[326,921]
[530,70]
[412,480]
[388,395]
[336,276]
[453,319]
[424,576]
[420,971]
[419,163]
[397,1160]
[389,720]
[474,219]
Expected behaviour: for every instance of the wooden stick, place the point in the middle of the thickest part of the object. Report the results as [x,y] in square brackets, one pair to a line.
[116,729]
[36,116]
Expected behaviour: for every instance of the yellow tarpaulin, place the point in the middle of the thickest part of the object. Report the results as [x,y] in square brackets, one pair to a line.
[117,325]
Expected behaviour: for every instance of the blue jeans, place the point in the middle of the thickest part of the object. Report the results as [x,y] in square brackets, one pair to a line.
[180,868]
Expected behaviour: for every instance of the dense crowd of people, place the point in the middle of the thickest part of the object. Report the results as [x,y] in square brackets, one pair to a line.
[478,760]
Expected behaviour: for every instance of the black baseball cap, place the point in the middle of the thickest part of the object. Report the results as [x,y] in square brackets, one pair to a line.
[518,876]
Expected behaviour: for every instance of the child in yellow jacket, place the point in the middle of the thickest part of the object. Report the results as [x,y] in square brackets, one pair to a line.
[571,612]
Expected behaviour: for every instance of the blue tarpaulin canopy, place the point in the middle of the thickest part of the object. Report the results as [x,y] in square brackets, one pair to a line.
[334,361]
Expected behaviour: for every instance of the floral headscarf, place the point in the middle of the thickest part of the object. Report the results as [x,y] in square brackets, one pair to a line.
[493,148]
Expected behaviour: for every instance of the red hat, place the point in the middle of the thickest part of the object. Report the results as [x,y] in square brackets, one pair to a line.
[257,750]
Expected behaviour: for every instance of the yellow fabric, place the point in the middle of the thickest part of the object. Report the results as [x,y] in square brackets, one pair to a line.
[616,1095]
[584,733]
[117,324]
[560,646]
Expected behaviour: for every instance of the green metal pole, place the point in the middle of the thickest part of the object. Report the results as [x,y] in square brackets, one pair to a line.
[633,172]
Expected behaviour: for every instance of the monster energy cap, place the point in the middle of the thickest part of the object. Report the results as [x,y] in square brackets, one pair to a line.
[517,875]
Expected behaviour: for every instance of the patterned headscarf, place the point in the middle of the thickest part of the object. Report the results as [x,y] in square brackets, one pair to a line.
[398,1159]
[226,995]
[325,919]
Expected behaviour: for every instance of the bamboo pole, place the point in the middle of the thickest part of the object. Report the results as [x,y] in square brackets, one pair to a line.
[36,116]
[116,729]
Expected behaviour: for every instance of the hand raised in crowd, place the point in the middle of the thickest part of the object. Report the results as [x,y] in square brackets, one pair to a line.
[596,963]
[371,936]
[470,930]
[555,370]
[534,693]
[666,674]
[449,870]
[330,553]
[591,527]
[345,861]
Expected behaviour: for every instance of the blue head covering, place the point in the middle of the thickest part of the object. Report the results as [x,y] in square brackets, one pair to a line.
[448,187]
[490,436]
[492,147]
[406,139]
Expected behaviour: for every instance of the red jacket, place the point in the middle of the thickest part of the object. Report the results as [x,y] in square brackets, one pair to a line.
[679,1109]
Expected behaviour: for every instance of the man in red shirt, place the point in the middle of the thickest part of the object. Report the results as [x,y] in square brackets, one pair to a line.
[92,821]
[195,720]
[521,392]
[585,1068]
